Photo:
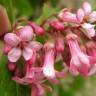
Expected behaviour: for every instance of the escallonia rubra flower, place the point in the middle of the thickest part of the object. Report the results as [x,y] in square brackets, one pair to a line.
[82,18]
[20,43]
[79,62]
[64,41]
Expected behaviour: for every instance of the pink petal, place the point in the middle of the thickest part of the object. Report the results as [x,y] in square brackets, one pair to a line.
[49,72]
[53,80]
[48,67]
[59,44]
[67,16]
[57,25]
[20,80]
[14,54]
[38,75]
[92,16]
[41,91]
[73,69]
[35,45]
[80,15]
[79,60]
[91,51]
[89,30]
[33,74]
[60,74]
[32,61]
[92,70]
[26,33]
[7,48]
[38,29]
[29,72]
[11,39]
[27,53]
[87,7]
[11,66]
[34,90]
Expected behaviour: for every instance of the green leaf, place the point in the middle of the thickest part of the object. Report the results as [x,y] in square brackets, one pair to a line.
[54,2]
[47,12]
[23,7]
[78,83]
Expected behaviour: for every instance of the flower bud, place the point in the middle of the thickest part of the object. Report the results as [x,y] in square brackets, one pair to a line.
[79,60]
[39,30]
[49,60]
[60,44]
[11,66]
[66,16]
[57,25]
[32,60]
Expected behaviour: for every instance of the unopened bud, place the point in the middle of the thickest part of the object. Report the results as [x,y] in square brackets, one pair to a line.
[11,66]
[39,30]
[57,25]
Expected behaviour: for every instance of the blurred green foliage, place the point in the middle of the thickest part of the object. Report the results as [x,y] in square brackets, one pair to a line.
[39,10]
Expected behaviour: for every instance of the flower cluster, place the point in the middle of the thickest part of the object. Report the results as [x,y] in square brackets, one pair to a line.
[69,38]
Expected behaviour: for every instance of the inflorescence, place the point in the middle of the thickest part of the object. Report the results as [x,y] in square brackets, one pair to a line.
[69,38]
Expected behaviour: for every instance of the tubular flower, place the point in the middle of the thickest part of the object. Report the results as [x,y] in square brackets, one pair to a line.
[83,18]
[59,44]
[79,61]
[20,43]
[86,17]
[39,30]
[86,14]
[66,16]
[91,51]
[48,67]
[57,25]
[89,30]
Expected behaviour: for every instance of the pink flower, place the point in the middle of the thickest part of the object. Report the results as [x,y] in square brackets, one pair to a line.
[39,30]
[91,51]
[91,48]
[57,25]
[89,30]
[21,44]
[80,15]
[7,48]
[48,67]
[37,90]
[11,66]
[86,13]
[34,76]
[59,44]
[79,61]
[86,17]
[66,16]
